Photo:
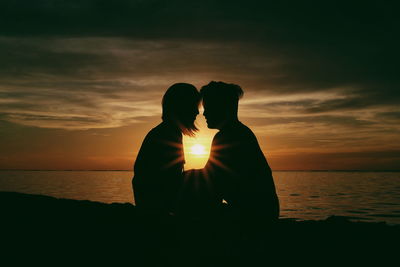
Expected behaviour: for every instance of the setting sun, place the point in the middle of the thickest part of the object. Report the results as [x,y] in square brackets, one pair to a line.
[198,149]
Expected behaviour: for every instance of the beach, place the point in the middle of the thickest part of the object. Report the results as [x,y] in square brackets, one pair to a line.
[41,223]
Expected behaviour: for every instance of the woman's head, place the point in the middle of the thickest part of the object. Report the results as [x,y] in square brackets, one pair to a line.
[180,105]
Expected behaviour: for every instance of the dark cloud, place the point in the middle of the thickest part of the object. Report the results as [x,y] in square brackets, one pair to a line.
[25,57]
[343,104]
[389,115]
[146,17]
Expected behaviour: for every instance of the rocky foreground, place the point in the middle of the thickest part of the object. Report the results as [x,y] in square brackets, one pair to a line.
[89,232]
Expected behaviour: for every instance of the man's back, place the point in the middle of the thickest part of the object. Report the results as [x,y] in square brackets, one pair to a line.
[240,171]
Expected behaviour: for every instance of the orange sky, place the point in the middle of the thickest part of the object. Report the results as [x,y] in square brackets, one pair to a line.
[27,147]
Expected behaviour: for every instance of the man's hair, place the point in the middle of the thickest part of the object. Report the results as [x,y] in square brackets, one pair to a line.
[177,101]
[227,94]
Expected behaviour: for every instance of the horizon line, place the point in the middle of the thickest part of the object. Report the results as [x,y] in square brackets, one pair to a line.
[279,170]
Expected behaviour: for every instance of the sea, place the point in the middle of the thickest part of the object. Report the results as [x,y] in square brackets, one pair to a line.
[303,195]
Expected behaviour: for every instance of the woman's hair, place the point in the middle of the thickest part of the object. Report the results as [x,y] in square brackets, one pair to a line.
[180,105]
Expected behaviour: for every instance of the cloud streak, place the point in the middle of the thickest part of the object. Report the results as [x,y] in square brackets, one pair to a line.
[127,75]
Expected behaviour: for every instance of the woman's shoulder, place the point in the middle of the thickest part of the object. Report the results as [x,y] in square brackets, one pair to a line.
[162,132]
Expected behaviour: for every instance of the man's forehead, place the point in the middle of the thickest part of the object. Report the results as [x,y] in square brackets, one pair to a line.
[210,101]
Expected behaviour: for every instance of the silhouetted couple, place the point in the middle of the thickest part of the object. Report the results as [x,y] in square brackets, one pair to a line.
[236,171]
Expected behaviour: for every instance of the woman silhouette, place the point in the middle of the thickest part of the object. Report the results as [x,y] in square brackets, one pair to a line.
[158,170]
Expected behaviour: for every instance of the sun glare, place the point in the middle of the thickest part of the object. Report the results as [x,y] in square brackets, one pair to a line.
[197,152]
[198,149]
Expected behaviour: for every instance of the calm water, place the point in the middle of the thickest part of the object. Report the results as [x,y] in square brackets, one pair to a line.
[365,196]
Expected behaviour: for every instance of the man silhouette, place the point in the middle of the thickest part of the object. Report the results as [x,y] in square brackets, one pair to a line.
[237,167]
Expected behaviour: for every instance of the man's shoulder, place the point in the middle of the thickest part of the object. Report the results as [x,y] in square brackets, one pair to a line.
[243,131]
[238,131]
[246,135]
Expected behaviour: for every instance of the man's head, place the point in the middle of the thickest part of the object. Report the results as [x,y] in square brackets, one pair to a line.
[220,101]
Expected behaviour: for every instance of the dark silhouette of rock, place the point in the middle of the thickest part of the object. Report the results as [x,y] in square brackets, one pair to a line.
[70,229]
